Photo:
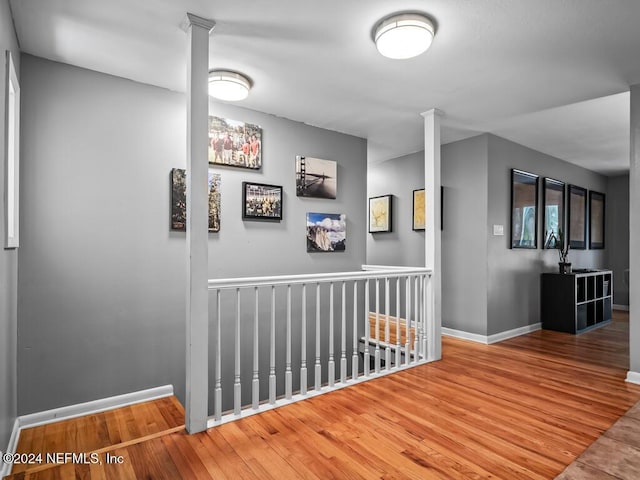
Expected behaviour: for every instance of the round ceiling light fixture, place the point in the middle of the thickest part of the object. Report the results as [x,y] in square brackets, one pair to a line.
[404,35]
[229,86]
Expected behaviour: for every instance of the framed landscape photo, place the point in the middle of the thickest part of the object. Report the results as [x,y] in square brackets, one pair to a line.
[179,200]
[316,177]
[11,154]
[326,232]
[418,210]
[380,211]
[577,218]
[596,220]
[553,208]
[235,144]
[261,201]
[524,209]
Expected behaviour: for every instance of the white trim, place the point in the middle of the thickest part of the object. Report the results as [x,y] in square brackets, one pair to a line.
[495,338]
[95,406]
[5,468]
[633,377]
[516,332]
[624,308]
[474,337]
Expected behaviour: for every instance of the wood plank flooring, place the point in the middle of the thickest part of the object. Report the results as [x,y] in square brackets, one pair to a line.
[523,408]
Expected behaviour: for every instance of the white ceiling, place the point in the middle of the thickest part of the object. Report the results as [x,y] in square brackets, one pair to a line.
[549,74]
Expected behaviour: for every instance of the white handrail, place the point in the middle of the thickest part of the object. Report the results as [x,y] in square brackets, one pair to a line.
[267,281]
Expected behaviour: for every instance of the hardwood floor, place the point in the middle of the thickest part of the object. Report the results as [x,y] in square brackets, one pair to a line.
[523,408]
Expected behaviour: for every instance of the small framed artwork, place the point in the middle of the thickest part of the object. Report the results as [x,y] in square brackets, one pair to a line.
[553,208]
[577,217]
[179,200]
[235,144]
[524,209]
[261,201]
[326,232]
[12,155]
[596,220]
[380,211]
[418,210]
[316,177]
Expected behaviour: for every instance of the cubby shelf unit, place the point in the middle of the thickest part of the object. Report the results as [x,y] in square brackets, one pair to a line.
[576,302]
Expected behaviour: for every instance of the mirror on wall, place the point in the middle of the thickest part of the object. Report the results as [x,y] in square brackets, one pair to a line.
[553,209]
[524,209]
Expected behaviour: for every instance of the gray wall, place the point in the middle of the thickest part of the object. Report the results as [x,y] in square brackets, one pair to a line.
[514,274]
[102,279]
[464,239]
[8,258]
[398,177]
[617,233]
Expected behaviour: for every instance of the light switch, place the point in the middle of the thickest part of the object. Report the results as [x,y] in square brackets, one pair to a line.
[498,230]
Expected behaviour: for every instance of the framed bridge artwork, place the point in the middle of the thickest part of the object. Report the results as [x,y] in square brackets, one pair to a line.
[316,177]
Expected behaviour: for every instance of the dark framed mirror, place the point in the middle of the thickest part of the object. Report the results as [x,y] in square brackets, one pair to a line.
[577,217]
[596,220]
[553,210]
[524,209]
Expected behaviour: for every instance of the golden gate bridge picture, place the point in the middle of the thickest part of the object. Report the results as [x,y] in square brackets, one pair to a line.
[316,177]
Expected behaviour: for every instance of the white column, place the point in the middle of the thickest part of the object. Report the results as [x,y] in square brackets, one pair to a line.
[197,372]
[432,231]
[634,238]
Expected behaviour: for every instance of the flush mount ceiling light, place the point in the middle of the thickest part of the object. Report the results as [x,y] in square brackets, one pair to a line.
[227,85]
[404,35]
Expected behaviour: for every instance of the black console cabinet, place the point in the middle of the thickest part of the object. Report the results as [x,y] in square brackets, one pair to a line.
[576,302]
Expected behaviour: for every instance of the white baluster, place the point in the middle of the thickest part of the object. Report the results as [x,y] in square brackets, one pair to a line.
[237,387]
[303,345]
[377,353]
[343,344]
[367,329]
[288,375]
[354,355]
[398,333]
[332,363]
[428,314]
[387,312]
[217,397]
[407,345]
[318,366]
[272,350]
[255,383]
[416,318]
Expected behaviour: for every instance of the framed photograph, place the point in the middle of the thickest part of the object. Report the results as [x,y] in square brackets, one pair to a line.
[577,217]
[326,232]
[596,220]
[234,144]
[179,200]
[553,208]
[380,211]
[12,155]
[316,177]
[261,202]
[418,210]
[524,209]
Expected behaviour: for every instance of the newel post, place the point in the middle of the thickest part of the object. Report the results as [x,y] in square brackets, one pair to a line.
[432,184]
[197,314]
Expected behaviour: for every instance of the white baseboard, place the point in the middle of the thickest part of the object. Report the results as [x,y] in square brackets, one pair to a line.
[624,308]
[495,338]
[633,377]
[95,406]
[79,410]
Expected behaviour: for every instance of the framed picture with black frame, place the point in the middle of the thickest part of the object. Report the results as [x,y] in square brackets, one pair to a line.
[596,220]
[261,201]
[524,209]
[553,202]
[577,217]
[418,222]
[380,214]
